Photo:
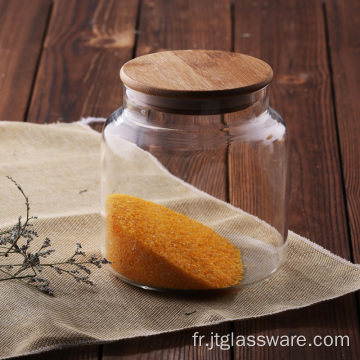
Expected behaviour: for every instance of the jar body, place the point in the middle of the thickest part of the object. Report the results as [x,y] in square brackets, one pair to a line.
[226,171]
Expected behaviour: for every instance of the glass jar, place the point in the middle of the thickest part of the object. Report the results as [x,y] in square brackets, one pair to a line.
[195,173]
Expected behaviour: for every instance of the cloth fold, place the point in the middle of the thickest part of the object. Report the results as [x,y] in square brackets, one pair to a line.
[58,166]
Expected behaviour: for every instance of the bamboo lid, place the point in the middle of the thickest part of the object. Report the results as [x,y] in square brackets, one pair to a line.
[191,78]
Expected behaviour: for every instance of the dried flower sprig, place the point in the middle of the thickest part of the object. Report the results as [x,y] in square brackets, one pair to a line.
[17,241]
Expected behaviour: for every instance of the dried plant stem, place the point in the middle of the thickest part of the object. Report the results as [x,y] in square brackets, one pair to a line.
[27,215]
[17,240]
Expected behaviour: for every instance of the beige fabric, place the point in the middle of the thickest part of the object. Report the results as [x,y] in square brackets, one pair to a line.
[55,164]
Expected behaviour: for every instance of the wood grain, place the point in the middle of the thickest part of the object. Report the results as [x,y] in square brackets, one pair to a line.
[344,44]
[22,27]
[196,74]
[171,25]
[290,36]
[176,25]
[87,42]
[332,318]
[301,93]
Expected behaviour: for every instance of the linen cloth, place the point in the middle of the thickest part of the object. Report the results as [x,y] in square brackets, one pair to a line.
[58,166]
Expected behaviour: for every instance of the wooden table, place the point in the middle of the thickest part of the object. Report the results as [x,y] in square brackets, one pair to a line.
[59,61]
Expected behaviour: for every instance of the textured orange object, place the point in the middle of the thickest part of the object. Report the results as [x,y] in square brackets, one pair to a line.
[155,246]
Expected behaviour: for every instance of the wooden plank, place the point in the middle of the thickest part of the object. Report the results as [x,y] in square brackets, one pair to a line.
[290,36]
[87,43]
[333,319]
[174,25]
[344,43]
[171,25]
[22,27]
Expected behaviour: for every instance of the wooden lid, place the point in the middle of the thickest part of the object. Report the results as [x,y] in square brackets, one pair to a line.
[195,75]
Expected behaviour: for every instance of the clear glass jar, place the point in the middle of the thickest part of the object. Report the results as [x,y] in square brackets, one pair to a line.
[194,190]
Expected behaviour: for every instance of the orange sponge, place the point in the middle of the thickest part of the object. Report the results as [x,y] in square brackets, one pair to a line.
[155,246]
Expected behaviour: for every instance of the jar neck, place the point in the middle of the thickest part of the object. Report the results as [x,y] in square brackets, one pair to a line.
[256,104]
[195,106]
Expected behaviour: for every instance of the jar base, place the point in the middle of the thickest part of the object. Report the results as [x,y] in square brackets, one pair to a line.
[248,281]
[171,290]
[260,260]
